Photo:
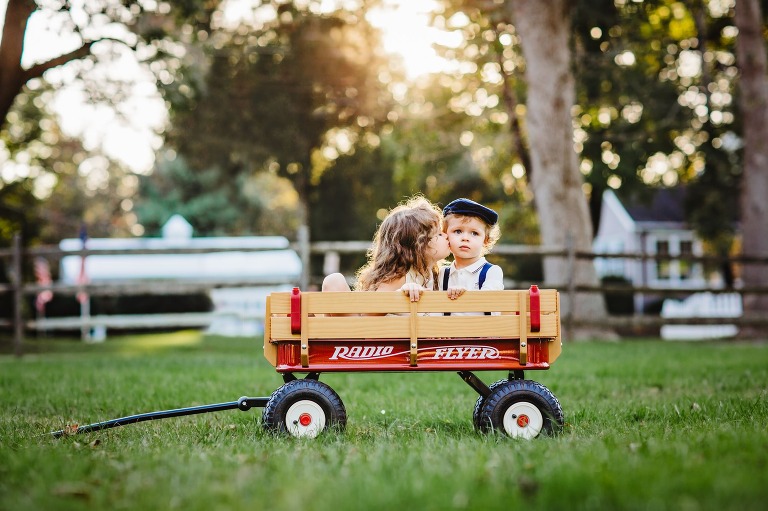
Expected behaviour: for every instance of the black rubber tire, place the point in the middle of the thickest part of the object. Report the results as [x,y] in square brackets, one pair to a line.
[481,401]
[518,398]
[304,397]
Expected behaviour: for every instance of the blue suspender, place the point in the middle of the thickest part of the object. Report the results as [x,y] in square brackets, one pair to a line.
[483,271]
[446,274]
[480,281]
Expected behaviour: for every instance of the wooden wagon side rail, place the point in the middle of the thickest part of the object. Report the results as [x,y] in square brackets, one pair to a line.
[369,331]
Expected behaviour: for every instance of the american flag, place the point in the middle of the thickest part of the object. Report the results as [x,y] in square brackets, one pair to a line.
[43,277]
[82,278]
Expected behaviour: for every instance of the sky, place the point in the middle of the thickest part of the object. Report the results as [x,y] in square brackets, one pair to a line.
[129,132]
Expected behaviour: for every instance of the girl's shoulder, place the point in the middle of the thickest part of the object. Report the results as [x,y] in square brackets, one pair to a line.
[392,285]
[414,277]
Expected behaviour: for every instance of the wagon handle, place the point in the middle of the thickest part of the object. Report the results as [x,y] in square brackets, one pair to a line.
[244,404]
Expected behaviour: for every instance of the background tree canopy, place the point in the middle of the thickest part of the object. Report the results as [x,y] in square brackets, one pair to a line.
[293,113]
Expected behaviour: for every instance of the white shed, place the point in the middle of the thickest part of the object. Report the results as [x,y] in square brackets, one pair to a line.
[275,267]
[654,227]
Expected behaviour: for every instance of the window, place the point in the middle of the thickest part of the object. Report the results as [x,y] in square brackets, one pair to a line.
[686,265]
[662,265]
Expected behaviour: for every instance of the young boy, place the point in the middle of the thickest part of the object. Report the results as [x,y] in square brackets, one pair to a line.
[472,231]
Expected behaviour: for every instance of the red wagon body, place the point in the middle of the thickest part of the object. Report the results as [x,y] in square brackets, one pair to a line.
[368,331]
[512,330]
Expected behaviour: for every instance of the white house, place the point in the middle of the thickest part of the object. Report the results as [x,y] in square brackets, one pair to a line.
[238,310]
[655,227]
[659,227]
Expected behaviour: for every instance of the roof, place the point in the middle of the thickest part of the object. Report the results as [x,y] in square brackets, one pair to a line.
[661,205]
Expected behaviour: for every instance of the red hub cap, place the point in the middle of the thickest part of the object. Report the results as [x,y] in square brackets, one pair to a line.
[523,420]
[305,419]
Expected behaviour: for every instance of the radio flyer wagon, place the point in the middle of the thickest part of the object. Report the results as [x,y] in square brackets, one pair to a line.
[313,333]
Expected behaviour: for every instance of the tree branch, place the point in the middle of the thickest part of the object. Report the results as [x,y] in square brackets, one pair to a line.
[83,51]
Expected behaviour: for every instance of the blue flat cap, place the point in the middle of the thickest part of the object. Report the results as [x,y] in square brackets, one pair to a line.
[471,208]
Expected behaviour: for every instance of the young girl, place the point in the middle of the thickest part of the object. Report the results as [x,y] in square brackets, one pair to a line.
[405,253]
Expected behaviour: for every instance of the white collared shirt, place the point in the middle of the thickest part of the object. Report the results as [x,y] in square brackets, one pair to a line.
[469,277]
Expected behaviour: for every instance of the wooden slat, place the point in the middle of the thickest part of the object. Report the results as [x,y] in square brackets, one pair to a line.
[556,347]
[482,326]
[281,303]
[398,327]
[369,302]
[270,350]
[306,301]
[485,301]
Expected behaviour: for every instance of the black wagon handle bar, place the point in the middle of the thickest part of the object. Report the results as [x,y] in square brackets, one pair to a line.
[244,404]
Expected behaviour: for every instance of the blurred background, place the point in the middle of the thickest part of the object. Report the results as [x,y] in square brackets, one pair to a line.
[309,119]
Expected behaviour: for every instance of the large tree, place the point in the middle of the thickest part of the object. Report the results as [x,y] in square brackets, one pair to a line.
[544,29]
[751,55]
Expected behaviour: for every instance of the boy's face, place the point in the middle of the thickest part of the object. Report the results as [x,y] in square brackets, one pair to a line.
[466,236]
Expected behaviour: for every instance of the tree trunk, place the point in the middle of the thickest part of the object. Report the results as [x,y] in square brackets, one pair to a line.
[11,47]
[12,76]
[544,28]
[753,102]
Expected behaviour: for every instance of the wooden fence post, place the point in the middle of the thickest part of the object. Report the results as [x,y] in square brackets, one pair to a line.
[18,296]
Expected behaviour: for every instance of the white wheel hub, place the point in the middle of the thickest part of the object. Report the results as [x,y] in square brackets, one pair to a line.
[305,418]
[523,420]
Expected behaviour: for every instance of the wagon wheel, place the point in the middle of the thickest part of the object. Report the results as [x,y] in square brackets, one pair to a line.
[304,408]
[521,409]
[481,401]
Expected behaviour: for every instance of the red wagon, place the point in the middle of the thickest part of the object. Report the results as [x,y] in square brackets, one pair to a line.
[312,333]
[509,330]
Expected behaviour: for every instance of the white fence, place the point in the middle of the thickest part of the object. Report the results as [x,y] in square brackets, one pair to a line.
[702,305]
[228,314]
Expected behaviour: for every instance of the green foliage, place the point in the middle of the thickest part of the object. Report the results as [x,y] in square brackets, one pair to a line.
[56,184]
[624,107]
[273,95]
[212,206]
[18,206]
[712,200]
[654,105]
[241,206]
[649,425]
[346,200]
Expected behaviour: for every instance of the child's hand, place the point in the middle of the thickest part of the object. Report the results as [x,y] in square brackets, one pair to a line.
[413,290]
[455,292]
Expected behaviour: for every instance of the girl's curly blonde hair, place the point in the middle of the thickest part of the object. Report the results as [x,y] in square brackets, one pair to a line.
[401,243]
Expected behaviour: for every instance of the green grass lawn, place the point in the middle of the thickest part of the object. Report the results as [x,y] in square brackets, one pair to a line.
[650,425]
